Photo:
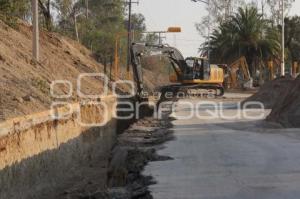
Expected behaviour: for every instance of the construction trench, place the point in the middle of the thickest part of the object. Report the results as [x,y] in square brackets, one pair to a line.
[42,157]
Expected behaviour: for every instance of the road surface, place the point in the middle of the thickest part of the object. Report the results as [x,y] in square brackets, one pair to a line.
[233,158]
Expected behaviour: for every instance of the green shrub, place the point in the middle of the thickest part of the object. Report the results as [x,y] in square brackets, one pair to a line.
[11,10]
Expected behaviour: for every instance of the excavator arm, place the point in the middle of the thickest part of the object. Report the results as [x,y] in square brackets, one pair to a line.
[239,73]
[139,50]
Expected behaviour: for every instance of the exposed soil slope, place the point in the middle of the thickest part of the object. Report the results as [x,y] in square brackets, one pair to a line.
[25,85]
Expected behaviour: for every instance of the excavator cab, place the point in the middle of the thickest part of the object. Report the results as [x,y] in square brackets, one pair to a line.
[197,69]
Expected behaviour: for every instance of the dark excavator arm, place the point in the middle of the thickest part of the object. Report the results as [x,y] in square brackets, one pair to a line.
[138,50]
[136,53]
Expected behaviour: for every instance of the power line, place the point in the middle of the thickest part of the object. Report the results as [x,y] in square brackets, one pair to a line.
[190,40]
[283,39]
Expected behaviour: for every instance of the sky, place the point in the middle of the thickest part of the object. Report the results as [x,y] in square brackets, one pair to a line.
[161,14]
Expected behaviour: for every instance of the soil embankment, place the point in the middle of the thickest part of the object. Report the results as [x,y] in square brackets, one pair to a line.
[283,97]
[25,84]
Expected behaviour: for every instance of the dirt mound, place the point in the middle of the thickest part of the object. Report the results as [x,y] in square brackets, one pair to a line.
[286,110]
[25,85]
[272,92]
[283,97]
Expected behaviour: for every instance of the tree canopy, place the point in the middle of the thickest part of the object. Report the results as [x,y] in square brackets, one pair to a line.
[96,24]
[250,32]
[245,34]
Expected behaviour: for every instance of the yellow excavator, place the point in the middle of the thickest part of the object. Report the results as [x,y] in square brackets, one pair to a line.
[188,75]
[239,74]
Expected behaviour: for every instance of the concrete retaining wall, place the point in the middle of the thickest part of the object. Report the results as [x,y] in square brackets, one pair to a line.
[38,153]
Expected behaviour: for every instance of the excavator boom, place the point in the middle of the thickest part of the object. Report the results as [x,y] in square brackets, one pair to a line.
[240,74]
[138,50]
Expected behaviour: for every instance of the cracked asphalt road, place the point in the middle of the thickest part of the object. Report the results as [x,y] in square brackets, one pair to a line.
[235,158]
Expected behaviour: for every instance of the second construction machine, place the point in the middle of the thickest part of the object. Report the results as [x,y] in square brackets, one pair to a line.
[191,75]
[239,74]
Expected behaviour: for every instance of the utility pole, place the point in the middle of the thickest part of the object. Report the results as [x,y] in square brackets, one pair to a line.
[209,16]
[283,43]
[129,39]
[76,26]
[35,30]
[263,9]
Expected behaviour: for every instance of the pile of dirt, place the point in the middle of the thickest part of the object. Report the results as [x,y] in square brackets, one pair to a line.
[272,92]
[283,97]
[286,110]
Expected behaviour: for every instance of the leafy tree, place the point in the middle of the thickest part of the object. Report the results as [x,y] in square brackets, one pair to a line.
[151,38]
[292,38]
[219,11]
[97,24]
[67,11]
[10,10]
[138,22]
[245,34]
[276,10]
[138,25]
[106,24]
[64,8]
[45,9]
[108,19]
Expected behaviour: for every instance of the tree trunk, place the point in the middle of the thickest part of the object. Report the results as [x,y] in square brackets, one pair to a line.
[105,65]
[76,28]
[87,8]
[46,11]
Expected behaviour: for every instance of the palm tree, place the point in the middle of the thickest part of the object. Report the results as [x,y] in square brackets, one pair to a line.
[247,34]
